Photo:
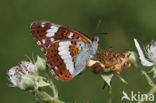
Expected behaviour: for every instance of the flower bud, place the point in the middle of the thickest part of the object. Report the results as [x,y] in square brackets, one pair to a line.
[22,76]
[151,51]
[133,57]
[40,63]
[27,82]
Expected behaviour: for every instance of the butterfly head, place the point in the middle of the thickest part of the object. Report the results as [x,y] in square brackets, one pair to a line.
[94,45]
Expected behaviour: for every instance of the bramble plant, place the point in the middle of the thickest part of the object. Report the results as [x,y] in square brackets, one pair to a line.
[26,75]
[150,51]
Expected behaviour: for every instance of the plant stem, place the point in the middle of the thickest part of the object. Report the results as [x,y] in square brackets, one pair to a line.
[52,86]
[149,80]
[152,91]
[109,94]
[45,97]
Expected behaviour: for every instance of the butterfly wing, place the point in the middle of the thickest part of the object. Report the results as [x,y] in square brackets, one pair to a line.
[67,51]
[67,58]
[47,32]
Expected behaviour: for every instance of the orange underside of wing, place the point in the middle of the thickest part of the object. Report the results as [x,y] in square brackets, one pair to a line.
[53,59]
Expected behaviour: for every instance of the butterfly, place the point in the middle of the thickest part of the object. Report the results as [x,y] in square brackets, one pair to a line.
[67,51]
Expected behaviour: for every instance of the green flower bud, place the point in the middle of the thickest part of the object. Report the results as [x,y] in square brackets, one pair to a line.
[133,57]
[40,63]
[27,82]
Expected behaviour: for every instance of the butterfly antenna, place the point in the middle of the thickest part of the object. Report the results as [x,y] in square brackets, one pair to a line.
[103,33]
[97,26]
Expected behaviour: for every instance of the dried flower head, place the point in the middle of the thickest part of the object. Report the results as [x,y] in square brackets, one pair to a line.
[150,51]
[109,60]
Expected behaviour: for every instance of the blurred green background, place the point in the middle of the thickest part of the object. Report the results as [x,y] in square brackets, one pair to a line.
[124,19]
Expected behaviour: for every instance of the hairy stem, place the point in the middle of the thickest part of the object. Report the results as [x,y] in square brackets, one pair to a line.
[45,97]
[109,94]
[152,91]
[149,81]
[52,86]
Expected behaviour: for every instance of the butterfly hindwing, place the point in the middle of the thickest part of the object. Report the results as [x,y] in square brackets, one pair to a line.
[63,58]
[56,63]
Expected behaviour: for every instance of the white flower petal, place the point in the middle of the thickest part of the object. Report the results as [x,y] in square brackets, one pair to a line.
[17,73]
[151,51]
[13,75]
[28,68]
[144,61]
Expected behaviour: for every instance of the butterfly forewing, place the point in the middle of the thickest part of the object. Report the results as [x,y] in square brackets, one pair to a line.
[39,31]
[46,33]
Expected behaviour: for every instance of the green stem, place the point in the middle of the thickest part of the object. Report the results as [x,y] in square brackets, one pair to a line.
[52,86]
[109,94]
[149,80]
[152,91]
[45,97]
